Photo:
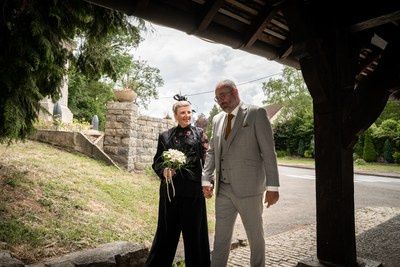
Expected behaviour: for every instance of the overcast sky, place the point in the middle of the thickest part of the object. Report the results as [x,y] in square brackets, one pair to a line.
[190,65]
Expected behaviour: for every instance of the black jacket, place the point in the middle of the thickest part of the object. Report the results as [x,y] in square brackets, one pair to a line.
[192,142]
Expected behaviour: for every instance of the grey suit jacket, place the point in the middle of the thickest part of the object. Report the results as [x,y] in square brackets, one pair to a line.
[251,157]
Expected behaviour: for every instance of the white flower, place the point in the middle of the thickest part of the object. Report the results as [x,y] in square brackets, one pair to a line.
[173,158]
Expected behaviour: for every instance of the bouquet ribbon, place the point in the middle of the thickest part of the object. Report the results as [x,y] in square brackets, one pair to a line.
[173,189]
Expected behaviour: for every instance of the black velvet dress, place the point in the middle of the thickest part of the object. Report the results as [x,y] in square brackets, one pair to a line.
[186,212]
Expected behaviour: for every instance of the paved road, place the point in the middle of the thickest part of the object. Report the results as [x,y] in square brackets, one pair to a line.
[296,207]
[290,224]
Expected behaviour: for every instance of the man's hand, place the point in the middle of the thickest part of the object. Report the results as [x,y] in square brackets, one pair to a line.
[168,173]
[271,197]
[208,191]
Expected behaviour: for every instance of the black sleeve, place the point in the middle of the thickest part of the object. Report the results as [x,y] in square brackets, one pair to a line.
[158,161]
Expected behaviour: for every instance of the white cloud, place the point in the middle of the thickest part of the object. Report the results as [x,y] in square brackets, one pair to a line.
[190,65]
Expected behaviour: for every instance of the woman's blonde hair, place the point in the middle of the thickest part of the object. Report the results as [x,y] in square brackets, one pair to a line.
[179,104]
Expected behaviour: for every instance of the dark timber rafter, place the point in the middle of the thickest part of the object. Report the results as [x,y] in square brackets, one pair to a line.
[260,23]
[374,22]
[210,12]
[370,97]
[286,49]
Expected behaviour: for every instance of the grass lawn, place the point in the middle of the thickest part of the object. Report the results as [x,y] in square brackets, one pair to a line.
[368,167]
[53,202]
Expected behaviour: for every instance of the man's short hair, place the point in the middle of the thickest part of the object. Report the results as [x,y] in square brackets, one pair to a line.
[226,83]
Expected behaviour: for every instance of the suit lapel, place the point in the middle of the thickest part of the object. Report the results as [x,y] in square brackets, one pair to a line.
[220,131]
[242,112]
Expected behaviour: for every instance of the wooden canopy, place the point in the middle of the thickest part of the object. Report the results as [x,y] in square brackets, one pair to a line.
[349,54]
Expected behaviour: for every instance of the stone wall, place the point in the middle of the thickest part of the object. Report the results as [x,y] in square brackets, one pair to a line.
[72,141]
[131,139]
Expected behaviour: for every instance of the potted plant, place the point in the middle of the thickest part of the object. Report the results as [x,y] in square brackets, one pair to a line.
[127,94]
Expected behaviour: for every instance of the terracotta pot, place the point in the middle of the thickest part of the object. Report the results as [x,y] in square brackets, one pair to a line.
[125,95]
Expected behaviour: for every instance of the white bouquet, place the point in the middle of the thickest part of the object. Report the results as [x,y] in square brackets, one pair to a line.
[173,159]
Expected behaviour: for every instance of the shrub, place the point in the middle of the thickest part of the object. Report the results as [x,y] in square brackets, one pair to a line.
[281,153]
[396,157]
[360,162]
[359,146]
[388,151]
[308,153]
[300,148]
[369,153]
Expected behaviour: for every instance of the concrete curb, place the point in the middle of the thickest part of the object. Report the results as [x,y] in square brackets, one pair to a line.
[380,174]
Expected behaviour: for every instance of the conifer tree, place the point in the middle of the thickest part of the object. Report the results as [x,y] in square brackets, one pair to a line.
[369,152]
[388,151]
[34,36]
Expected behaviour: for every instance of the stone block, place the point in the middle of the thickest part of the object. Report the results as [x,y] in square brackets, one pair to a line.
[6,260]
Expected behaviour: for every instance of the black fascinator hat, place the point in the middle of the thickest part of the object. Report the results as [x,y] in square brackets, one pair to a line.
[179,97]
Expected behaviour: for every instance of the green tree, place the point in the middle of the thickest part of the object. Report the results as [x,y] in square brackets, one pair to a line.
[359,146]
[388,151]
[290,133]
[391,111]
[387,129]
[142,79]
[369,149]
[88,97]
[301,149]
[291,92]
[34,36]
[214,111]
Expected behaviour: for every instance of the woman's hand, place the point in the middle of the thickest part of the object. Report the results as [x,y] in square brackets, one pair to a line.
[168,173]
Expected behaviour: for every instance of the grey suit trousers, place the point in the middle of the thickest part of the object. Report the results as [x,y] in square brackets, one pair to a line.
[227,206]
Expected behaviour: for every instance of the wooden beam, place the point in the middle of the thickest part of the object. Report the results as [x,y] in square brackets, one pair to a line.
[323,52]
[371,95]
[211,10]
[259,24]
[371,23]
[286,50]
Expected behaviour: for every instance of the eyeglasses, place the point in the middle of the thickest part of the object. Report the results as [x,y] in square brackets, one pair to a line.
[222,96]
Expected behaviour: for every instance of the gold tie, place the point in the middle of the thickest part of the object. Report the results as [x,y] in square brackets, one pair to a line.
[228,126]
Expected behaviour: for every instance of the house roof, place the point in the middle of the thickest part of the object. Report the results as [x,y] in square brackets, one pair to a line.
[272,110]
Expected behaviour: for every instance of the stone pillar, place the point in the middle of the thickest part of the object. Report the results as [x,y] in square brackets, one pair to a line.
[121,133]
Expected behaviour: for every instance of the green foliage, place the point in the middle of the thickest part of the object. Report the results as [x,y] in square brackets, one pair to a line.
[308,153]
[388,151]
[291,133]
[359,146]
[300,149]
[144,80]
[88,97]
[369,152]
[291,92]
[360,162]
[35,37]
[214,111]
[75,126]
[396,157]
[391,111]
[281,153]
[388,129]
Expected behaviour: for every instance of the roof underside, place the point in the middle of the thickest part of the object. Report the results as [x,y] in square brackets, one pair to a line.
[260,27]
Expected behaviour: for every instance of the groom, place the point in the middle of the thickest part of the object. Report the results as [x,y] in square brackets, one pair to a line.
[243,156]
